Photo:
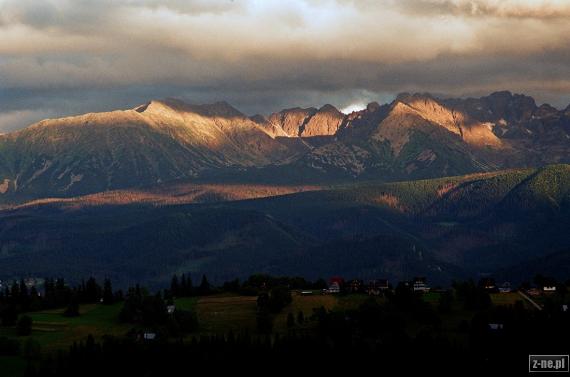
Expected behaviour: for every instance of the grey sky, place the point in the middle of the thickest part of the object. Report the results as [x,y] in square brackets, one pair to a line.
[60,57]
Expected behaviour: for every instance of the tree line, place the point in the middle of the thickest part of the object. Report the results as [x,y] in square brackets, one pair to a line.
[376,330]
[19,297]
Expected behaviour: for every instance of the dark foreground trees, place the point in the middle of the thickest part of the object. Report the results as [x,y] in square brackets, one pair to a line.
[149,313]
[55,293]
[372,336]
[24,326]
[269,303]
[396,334]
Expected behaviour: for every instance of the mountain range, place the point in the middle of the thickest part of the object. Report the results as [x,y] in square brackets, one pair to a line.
[445,188]
[161,142]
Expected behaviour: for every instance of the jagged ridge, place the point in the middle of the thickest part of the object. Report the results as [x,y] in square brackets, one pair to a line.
[415,136]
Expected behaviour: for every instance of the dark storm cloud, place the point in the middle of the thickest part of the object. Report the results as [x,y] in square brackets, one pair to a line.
[61,57]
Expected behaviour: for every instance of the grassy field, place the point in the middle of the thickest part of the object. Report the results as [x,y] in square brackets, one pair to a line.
[221,314]
[508,299]
[186,303]
[432,297]
[347,302]
[53,331]
[304,304]
[216,314]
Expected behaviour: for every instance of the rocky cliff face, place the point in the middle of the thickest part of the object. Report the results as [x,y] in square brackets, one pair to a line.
[298,122]
[292,121]
[474,132]
[325,122]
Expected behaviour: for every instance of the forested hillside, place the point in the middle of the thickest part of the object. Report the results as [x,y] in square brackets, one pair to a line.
[443,228]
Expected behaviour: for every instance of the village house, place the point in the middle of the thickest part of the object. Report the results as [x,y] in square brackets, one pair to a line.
[549,288]
[377,287]
[534,292]
[420,285]
[505,287]
[336,284]
[334,287]
[354,286]
[488,284]
[147,336]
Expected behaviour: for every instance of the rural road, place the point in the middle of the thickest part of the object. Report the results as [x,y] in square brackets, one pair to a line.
[530,300]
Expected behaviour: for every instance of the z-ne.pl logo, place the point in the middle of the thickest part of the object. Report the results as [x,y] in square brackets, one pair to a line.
[548,363]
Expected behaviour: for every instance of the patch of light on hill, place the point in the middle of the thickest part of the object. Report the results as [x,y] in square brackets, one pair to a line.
[353,107]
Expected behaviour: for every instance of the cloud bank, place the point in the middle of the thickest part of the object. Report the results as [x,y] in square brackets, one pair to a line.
[62,57]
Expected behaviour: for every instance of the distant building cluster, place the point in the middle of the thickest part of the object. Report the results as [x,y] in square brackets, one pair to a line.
[419,284]
[29,282]
[372,287]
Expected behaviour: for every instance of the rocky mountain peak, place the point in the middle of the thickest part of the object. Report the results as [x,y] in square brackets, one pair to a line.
[308,122]
[218,109]
[222,109]
[412,97]
[511,107]
[328,108]
[372,107]
[546,111]
[325,122]
[259,118]
[502,95]
[418,111]
[427,107]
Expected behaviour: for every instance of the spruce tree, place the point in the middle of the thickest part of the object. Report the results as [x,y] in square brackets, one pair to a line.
[204,286]
[174,286]
[108,297]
